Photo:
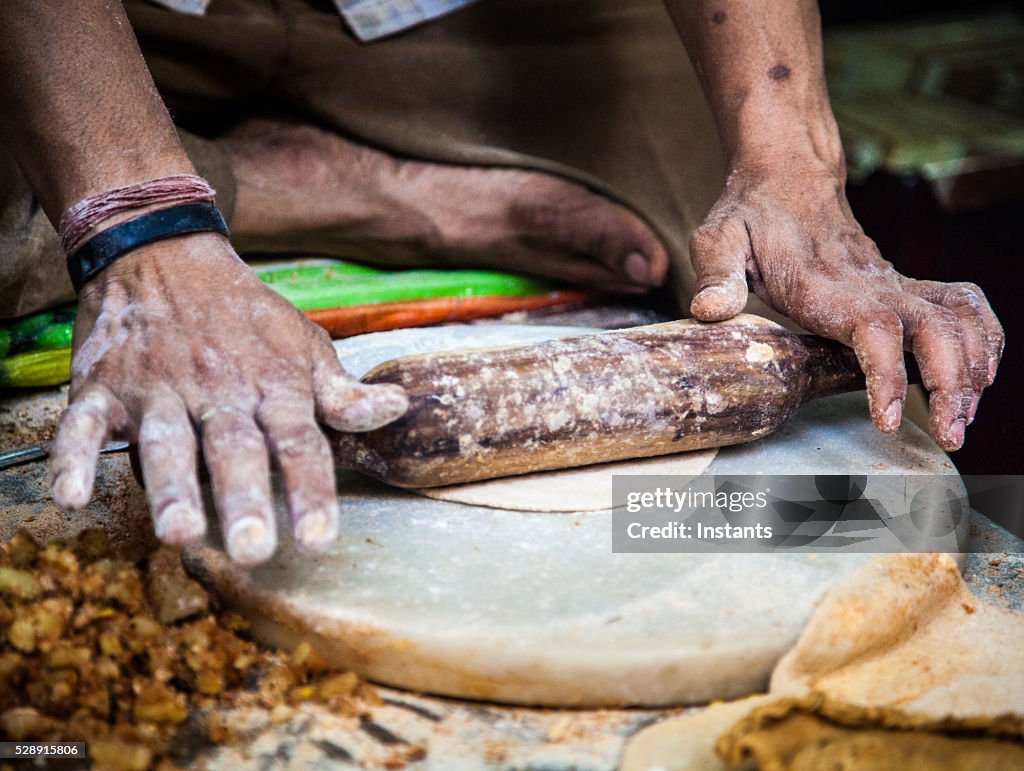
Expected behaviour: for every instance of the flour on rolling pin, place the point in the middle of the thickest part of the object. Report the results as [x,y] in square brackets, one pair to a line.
[654,390]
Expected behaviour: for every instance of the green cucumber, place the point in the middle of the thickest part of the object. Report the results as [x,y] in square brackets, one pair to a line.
[38,368]
[42,319]
[46,338]
[43,331]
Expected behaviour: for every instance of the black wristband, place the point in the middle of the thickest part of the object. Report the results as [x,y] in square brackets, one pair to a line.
[103,248]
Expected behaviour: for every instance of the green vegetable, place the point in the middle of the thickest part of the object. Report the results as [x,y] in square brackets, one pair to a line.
[316,273]
[45,318]
[46,338]
[39,332]
[52,337]
[38,368]
[407,285]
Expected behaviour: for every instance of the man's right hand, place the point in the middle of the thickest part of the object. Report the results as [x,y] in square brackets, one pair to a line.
[178,345]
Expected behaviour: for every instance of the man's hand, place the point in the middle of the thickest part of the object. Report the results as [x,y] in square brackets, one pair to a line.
[783,220]
[790,231]
[178,345]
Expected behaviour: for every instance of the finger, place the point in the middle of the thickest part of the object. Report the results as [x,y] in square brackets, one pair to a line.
[878,341]
[345,404]
[965,304]
[167,454]
[983,334]
[304,460]
[719,252]
[937,342]
[236,457]
[84,427]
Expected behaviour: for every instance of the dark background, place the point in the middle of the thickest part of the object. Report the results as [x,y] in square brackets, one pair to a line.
[836,12]
[923,241]
[901,215]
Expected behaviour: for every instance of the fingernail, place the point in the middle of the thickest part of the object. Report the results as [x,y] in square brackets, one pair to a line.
[250,541]
[956,434]
[973,409]
[180,525]
[637,268]
[892,415]
[715,303]
[316,531]
[710,296]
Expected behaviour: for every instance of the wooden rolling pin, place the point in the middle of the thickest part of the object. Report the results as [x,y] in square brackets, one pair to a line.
[633,393]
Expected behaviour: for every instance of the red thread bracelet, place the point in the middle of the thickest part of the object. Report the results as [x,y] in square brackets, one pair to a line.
[80,222]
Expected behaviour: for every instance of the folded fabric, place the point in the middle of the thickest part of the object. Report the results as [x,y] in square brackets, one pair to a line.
[900,666]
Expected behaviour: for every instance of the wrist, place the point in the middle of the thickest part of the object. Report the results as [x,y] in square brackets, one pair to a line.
[99,230]
[806,140]
[194,263]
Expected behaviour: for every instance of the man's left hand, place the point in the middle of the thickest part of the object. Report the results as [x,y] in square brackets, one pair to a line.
[790,232]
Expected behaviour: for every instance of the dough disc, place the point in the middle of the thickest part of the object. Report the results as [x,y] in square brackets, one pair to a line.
[568,490]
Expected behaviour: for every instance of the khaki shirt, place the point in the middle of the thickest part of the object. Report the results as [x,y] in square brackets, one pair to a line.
[368,19]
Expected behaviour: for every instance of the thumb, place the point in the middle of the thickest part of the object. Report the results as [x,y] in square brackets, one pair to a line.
[346,404]
[719,252]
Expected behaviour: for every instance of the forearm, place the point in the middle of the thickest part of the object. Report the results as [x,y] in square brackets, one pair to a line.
[81,114]
[761,68]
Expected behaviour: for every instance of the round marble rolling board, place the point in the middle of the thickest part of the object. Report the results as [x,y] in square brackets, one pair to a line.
[534,608]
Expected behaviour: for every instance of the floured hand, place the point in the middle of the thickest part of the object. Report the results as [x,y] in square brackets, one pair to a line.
[784,223]
[178,345]
[790,232]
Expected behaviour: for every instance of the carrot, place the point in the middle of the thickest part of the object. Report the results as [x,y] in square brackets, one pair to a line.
[379,317]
